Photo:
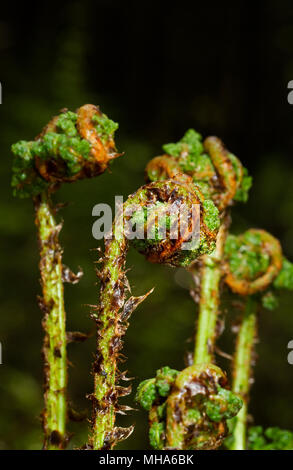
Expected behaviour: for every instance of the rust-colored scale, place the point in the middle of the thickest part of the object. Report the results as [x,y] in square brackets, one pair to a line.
[204,434]
[112,314]
[70,147]
[111,318]
[193,414]
[178,193]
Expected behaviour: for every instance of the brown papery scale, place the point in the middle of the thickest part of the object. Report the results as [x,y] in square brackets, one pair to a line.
[72,146]
[148,206]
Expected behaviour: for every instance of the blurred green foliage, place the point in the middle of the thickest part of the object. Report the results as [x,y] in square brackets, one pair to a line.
[269,439]
[126,59]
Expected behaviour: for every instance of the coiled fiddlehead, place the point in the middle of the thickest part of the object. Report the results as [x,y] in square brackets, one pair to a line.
[254,261]
[222,179]
[188,410]
[217,172]
[145,209]
[255,268]
[72,146]
[183,210]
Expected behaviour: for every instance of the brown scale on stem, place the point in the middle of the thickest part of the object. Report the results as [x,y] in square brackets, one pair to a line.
[112,322]
[114,310]
[71,147]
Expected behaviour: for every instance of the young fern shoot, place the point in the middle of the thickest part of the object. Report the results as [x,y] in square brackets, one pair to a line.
[72,146]
[145,210]
[188,410]
[222,179]
[255,269]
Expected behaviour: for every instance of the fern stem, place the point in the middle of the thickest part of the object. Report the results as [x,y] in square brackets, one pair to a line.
[242,370]
[108,342]
[211,274]
[52,304]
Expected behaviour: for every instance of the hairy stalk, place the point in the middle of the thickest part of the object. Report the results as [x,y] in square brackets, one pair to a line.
[145,210]
[71,146]
[211,273]
[108,342]
[242,370]
[52,304]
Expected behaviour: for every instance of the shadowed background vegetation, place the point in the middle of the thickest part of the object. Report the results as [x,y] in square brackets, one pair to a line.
[157,69]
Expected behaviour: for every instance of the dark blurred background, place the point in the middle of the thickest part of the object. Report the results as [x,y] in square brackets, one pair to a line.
[157,69]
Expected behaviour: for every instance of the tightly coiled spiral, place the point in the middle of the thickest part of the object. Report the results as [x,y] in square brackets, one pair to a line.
[188,409]
[253,261]
[72,146]
[169,213]
[254,265]
[218,173]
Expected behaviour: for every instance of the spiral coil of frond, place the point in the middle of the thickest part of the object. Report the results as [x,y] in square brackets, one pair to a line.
[72,146]
[188,410]
[217,172]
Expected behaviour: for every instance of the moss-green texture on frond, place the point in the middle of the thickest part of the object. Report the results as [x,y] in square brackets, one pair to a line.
[72,146]
[256,265]
[218,173]
[150,390]
[188,149]
[165,226]
[284,280]
[246,257]
[25,180]
[188,409]
[105,126]
[211,215]
[224,405]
